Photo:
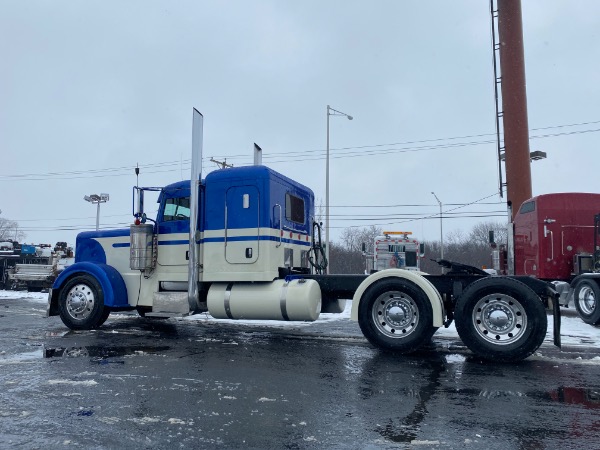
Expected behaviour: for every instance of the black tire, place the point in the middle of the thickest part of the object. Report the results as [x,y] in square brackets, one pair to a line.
[586,298]
[81,303]
[103,317]
[500,319]
[395,314]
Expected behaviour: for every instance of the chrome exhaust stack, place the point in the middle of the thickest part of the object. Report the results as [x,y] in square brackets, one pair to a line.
[195,181]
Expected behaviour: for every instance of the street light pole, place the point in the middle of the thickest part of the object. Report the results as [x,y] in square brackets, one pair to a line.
[441,229]
[327,197]
[97,199]
[330,112]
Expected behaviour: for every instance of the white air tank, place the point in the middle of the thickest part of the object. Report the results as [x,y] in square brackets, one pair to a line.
[297,300]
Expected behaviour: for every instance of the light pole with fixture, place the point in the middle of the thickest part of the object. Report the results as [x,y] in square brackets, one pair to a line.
[441,229]
[330,112]
[97,199]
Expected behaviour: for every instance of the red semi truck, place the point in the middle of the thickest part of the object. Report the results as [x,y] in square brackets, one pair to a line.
[554,237]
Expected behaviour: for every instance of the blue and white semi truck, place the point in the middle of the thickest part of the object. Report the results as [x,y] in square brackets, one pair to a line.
[242,243]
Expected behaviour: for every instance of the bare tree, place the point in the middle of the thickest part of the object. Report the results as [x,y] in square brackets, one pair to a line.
[9,229]
[346,256]
[480,232]
[353,238]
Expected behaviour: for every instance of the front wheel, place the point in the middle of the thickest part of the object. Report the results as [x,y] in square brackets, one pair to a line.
[81,303]
[395,314]
[586,298]
[501,319]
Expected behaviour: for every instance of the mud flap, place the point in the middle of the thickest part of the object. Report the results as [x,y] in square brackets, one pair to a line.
[556,314]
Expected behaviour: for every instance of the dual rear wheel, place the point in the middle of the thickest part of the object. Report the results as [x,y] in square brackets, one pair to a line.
[395,314]
[499,319]
[587,301]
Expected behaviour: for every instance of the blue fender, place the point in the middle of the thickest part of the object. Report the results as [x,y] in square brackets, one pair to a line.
[111,281]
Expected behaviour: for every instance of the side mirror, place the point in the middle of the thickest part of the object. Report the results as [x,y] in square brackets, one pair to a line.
[421,250]
[363,247]
[491,237]
[139,211]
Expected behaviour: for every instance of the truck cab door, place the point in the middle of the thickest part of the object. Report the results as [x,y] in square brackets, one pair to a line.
[173,233]
[241,225]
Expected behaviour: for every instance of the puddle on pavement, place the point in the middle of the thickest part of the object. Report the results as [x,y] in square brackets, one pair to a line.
[406,429]
[22,357]
[588,397]
[101,352]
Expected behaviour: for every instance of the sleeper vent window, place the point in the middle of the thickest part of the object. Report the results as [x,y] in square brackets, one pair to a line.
[294,208]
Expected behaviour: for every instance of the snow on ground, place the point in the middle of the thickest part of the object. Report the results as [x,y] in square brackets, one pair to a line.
[574,332]
[37,297]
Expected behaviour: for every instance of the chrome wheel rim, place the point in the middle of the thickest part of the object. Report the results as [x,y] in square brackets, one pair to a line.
[499,319]
[395,314]
[586,300]
[80,301]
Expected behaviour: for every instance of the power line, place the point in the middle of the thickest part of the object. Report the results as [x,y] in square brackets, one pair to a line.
[355,154]
[72,218]
[414,142]
[411,205]
[394,216]
[436,216]
[296,156]
[422,218]
[75,227]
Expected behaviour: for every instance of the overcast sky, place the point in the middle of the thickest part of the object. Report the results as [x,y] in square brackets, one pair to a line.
[90,89]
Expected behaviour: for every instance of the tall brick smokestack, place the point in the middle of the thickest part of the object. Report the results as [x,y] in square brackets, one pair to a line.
[514,103]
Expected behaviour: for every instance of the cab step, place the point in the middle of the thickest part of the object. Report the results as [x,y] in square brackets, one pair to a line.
[175,303]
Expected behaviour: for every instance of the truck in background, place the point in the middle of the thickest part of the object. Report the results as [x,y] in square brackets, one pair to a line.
[394,250]
[554,237]
[239,244]
[32,267]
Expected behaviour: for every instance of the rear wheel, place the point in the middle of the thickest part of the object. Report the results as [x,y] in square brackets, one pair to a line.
[81,303]
[586,298]
[395,314]
[501,319]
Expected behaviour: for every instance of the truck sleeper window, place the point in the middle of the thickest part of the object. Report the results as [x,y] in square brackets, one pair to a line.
[527,207]
[294,208]
[177,209]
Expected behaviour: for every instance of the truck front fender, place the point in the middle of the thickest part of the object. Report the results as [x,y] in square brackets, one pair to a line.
[432,293]
[113,286]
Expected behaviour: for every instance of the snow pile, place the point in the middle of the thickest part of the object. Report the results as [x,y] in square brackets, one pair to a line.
[38,297]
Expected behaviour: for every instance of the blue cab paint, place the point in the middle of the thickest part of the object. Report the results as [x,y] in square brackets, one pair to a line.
[113,286]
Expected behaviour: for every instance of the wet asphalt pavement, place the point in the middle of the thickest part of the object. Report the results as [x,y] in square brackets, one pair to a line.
[137,383]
